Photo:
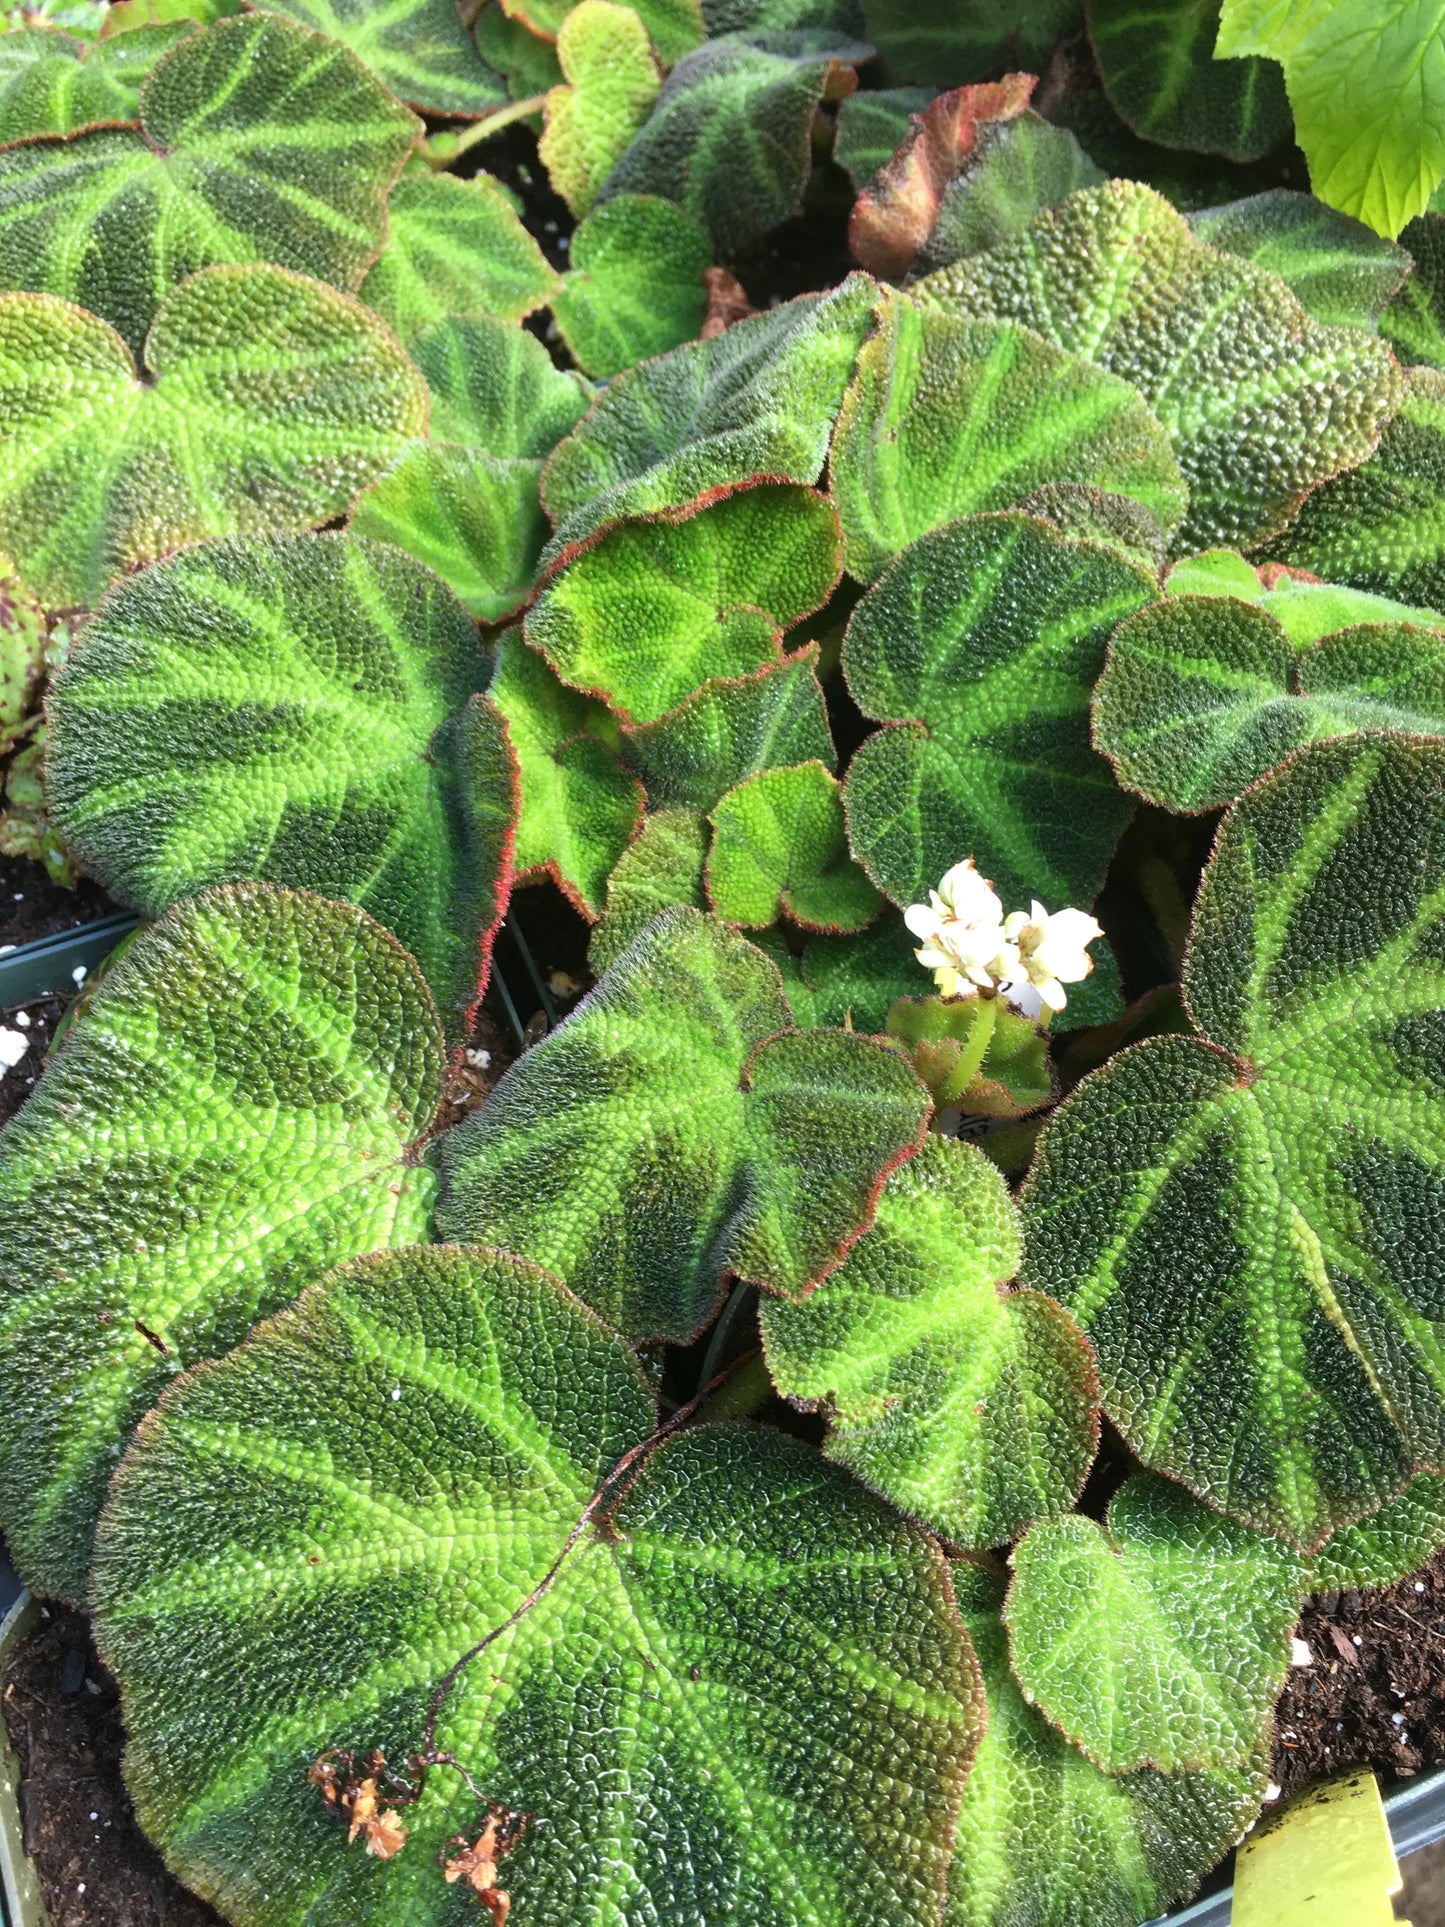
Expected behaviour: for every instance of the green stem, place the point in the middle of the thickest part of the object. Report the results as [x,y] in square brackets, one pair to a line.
[442,149]
[742,1295]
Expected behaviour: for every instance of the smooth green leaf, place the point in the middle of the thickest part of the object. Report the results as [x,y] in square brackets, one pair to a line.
[231,1115]
[258,141]
[872,126]
[856,980]
[1015,170]
[1262,402]
[455,250]
[979,649]
[758,399]
[1045,1838]
[975,1055]
[1156,60]
[1340,272]
[404,1455]
[1414,322]
[635,287]
[494,387]
[1367,92]
[266,403]
[52,83]
[660,868]
[1399,1539]
[729,730]
[612,83]
[579,806]
[673,26]
[1161,1638]
[780,848]
[673,1129]
[946,416]
[967,1406]
[293,709]
[419,48]
[943,44]
[647,611]
[1243,1221]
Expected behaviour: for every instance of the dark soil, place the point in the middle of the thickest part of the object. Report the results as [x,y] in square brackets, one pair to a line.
[31,906]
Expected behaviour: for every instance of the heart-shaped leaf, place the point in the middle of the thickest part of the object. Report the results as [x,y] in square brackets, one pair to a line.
[1340,271]
[968,1407]
[1160,1639]
[758,399]
[455,250]
[268,402]
[437,1421]
[1414,322]
[780,848]
[729,730]
[1243,1221]
[231,1115]
[871,126]
[1262,402]
[419,48]
[666,1134]
[294,709]
[661,868]
[52,83]
[1044,1837]
[646,612]
[579,806]
[612,81]
[1015,170]
[980,647]
[1156,60]
[258,141]
[977,1054]
[635,287]
[947,416]
[1388,1546]
[673,26]
[495,387]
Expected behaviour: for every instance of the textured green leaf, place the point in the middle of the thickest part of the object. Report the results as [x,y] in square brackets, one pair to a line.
[871,126]
[419,48]
[436,1421]
[758,399]
[673,26]
[528,62]
[230,1116]
[293,709]
[85,18]
[946,416]
[969,1407]
[729,730]
[635,287]
[1095,514]
[131,16]
[1367,91]
[258,141]
[857,979]
[495,388]
[750,16]
[1156,60]
[1244,1222]
[976,1055]
[1414,322]
[1045,1838]
[980,647]
[1202,694]
[780,848]
[1388,1546]
[666,1133]
[1016,169]
[1340,271]
[455,250]
[644,613]
[1159,1639]
[611,83]
[52,83]
[661,868]
[943,44]
[267,402]
[1262,402]
[579,806]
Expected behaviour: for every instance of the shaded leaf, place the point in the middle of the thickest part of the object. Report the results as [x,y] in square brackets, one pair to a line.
[979,648]
[857,979]
[1097,516]
[268,401]
[626,1713]
[944,45]
[1156,60]
[661,868]
[611,83]
[975,1055]
[419,48]
[1340,272]
[946,416]
[673,26]
[1242,1220]
[969,1407]
[750,16]
[130,16]
[872,125]
[672,1129]
[52,83]
[1414,322]
[1388,1546]
[528,61]
[230,1116]
[494,387]
[1015,170]
[258,141]
[635,287]
[780,848]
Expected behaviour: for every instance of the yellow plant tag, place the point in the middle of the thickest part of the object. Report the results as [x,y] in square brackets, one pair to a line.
[1325,1861]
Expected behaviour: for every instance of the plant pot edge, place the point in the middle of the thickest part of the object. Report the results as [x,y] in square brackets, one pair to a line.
[21,1901]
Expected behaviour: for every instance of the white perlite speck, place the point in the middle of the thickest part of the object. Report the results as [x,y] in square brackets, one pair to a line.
[13,1046]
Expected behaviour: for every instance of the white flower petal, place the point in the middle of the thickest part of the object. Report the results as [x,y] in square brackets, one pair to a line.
[922,920]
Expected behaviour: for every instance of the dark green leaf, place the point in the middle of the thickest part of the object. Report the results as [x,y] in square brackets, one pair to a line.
[780,848]
[1340,272]
[1388,1546]
[856,980]
[661,868]
[494,388]
[1016,169]
[944,44]
[418,47]
[872,126]
[1414,322]
[1156,60]
[635,287]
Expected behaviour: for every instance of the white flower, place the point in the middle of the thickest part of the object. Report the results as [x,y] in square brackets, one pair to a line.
[1052,951]
[962,927]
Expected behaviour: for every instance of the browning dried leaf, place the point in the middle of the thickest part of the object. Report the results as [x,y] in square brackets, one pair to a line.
[477,1864]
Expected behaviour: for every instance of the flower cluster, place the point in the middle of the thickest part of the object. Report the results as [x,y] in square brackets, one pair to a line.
[972,947]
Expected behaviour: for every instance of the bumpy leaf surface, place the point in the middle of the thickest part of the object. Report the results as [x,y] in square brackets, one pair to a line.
[611,84]
[758,399]
[268,402]
[654,607]
[635,286]
[229,1117]
[259,141]
[293,709]
[455,250]
[418,47]
[1262,402]
[52,83]
[968,1407]
[1044,1837]
[980,647]
[1340,271]
[1017,169]
[942,44]
[661,868]
[780,848]
[872,126]
[437,1420]
[1389,1545]
[1414,322]
[977,1055]
[1160,1639]
[579,806]
[1243,1221]
[1156,60]
[495,388]
[528,62]
[673,26]
[666,1133]
[856,980]
[947,416]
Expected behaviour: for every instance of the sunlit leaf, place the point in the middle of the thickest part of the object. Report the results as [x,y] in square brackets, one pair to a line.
[673,26]
[857,979]
[1340,272]
[611,81]
[976,1055]
[1388,1546]
[418,47]
[780,848]
[1015,170]
[635,287]
[661,868]
[52,83]
[495,388]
